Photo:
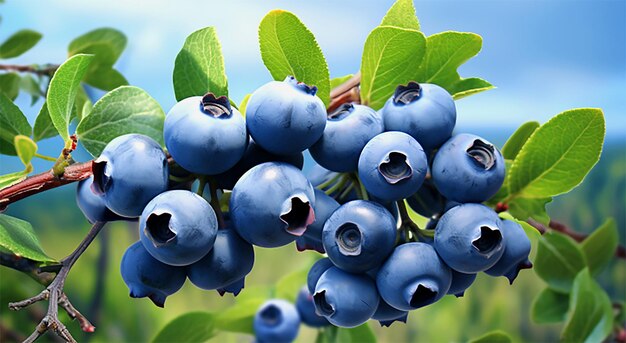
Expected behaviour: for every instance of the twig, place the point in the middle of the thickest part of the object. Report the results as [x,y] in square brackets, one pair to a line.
[26,266]
[55,296]
[345,92]
[47,70]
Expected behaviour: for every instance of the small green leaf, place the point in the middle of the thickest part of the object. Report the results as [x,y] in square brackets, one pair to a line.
[599,247]
[18,237]
[525,209]
[402,14]
[10,85]
[517,140]
[558,156]
[13,178]
[25,148]
[337,81]
[289,285]
[124,110]
[391,57]
[62,92]
[106,44]
[590,315]
[105,77]
[199,66]
[360,334]
[239,317]
[30,86]
[497,336]
[445,52]
[19,43]
[79,103]
[190,327]
[43,125]
[12,123]
[289,48]
[244,104]
[549,307]
[558,261]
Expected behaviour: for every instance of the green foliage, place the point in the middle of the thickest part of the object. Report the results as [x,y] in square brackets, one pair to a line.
[517,140]
[289,285]
[244,104]
[360,334]
[402,14]
[7,180]
[12,123]
[10,85]
[19,43]
[18,237]
[190,327]
[525,209]
[43,127]
[62,92]
[558,261]
[30,86]
[590,315]
[289,48]
[493,337]
[336,81]
[599,248]
[239,317]
[126,109]
[549,307]
[25,148]
[391,57]
[199,66]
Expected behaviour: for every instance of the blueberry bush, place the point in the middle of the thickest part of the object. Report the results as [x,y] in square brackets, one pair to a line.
[400,209]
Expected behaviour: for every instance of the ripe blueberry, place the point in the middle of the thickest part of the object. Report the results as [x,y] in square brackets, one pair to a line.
[460,282]
[276,321]
[92,205]
[516,250]
[318,268]
[387,314]
[306,310]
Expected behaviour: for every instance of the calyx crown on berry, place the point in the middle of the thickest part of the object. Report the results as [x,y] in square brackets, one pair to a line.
[301,85]
[483,154]
[218,107]
[341,111]
[407,94]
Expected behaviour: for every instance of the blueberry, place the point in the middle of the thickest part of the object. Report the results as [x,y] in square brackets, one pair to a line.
[230,260]
[413,276]
[424,111]
[205,135]
[359,236]
[307,243]
[324,207]
[427,201]
[272,204]
[131,170]
[516,250]
[276,321]
[147,277]
[460,282]
[233,288]
[469,238]
[178,227]
[347,131]
[392,166]
[345,299]
[468,168]
[285,117]
[387,314]
[318,268]
[92,205]
[320,176]
[306,309]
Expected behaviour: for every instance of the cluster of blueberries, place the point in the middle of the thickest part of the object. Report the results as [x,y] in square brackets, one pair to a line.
[351,206]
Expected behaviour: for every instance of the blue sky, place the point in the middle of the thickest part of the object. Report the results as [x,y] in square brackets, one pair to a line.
[544,56]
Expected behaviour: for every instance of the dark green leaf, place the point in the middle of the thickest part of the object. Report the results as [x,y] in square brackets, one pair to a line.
[599,247]
[239,317]
[18,237]
[525,209]
[62,92]
[82,99]
[335,82]
[190,327]
[30,86]
[391,57]
[549,307]
[19,43]
[199,66]
[43,125]
[493,337]
[289,48]
[25,148]
[12,123]
[402,14]
[10,85]
[360,334]
[558,261]
[558,156]
[515,143]
[106,44]
[105,77]
[590,315]
[126,109]
[289,285]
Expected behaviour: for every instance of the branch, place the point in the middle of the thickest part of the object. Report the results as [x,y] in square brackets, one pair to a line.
[56,297]
[26,266]
[620,252]
[46,70]
[345,92]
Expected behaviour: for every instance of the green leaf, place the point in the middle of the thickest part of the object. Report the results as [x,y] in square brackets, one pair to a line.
[79,104]
[12,123]
[62,92]
[25,148]
[126,109]
[524,209]
[445,53]
[549,307]
[558,156]
[43,125]
[10,85]
[30,86]
[402,14]
[337,81]
[289,48]
[590,315]
[18,237]
[497,336]
[199,66]
[558,261]
[391,57]
[360,334]
[599,247]
[239,317]
[190,327]
[244,104]
[517,140]
[13,178]
[19,43]
[106,44]
[105,77]
[289,285]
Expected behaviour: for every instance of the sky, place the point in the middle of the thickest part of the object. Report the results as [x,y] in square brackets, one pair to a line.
[544,57]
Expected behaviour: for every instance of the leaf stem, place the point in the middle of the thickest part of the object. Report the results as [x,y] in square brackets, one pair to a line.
[47,158]
[215,203]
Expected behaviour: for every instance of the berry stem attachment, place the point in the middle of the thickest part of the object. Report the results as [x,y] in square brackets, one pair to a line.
[410,226]
[215,203]
[360,188]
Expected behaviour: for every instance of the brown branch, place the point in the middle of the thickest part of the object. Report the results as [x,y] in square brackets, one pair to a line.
[46,70]
[26,266]
[345,92]
[620,252]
